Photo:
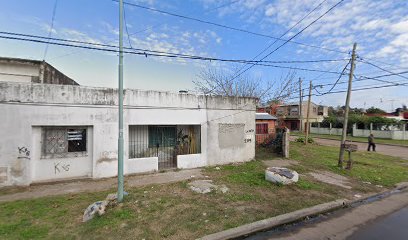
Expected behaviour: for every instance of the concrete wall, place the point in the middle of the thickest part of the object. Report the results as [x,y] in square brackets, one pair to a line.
[26,108]
[190,161]
[328,131]
[15,72]
[387,134]
[31,71]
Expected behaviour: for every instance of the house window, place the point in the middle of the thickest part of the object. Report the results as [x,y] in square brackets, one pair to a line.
[63,142]
[261,128]
[294,111]
[162,136]
[314,109]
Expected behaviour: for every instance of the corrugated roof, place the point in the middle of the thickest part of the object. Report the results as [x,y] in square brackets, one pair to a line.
[264,116]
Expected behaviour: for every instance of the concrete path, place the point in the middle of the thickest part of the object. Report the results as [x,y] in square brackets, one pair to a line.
[395,151]
[343,224]
[54,189]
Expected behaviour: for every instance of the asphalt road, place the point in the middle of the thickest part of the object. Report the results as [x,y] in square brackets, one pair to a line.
[393,226]
[395,151]
[386,218]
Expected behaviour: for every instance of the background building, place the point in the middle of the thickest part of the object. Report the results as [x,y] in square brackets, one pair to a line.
[31,71]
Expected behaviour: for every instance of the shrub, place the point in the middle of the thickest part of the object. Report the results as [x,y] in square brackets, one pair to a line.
[302,140]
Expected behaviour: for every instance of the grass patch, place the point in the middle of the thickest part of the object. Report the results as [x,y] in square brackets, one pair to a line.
[173,211]
[354,139]
[308,185]
[368,166]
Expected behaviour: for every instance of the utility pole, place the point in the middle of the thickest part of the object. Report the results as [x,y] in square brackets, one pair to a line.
[308,113]
[300,105]
[120,139]
[344,133]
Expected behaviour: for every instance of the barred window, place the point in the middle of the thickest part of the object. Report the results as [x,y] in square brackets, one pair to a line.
[64,142]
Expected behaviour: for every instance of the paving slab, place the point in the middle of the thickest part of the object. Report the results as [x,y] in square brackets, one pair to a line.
[331,178]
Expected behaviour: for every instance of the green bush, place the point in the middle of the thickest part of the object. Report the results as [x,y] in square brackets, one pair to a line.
[302,140]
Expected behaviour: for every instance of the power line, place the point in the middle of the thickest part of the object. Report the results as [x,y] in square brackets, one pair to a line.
[225,26]
[287,31]
[360,89]
[51,27]
[341,75]
[209,10]
[145,52]
[385,70]
[298,33]
[126,27]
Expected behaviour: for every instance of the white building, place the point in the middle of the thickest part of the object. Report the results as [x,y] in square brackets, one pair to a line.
[51,132]
[31,71]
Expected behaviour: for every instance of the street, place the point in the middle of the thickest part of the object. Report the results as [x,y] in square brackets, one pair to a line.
[383,219]
[390,150]
[393,226]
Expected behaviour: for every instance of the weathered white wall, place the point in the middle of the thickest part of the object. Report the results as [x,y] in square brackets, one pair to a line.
[26,108]
[329,131]
[388,134]
[44,169]
[190,161]
[141,165]
[13,72]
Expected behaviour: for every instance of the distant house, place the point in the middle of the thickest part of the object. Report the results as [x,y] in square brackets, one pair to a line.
[292,118]
[265,126]
[31,71]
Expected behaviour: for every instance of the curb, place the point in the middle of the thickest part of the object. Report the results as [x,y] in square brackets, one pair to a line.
[291,217]
[275,221]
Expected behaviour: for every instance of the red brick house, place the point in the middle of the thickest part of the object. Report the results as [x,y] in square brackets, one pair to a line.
[265,126]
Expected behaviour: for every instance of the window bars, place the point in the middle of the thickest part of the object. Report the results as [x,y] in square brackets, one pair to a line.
[61,142]
[164,142]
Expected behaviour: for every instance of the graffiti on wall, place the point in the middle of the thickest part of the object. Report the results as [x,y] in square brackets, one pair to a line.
[23,152]
[249,135]
[61,167]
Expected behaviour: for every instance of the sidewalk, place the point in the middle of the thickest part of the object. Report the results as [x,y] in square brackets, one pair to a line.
[54,189]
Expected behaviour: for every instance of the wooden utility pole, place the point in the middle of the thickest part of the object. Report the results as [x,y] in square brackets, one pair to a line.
[346,113]
[308,113]
[300,105]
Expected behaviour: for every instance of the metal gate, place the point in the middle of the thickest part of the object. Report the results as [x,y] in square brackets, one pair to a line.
[163,139]
[154,141]
[164,142]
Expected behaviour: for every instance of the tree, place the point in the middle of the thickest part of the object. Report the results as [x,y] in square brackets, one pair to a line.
[374,110]
[225,82]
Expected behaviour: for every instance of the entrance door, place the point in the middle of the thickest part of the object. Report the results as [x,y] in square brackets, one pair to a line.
[163,139]
[293,126]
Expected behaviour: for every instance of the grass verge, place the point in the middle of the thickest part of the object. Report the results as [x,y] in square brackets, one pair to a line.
[173,211]
[355,139]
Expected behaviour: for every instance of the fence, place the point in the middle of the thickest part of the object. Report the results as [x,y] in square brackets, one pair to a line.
[164,142]
[278,142]
[317,128]
[378,130]
[382,131]
[263,138]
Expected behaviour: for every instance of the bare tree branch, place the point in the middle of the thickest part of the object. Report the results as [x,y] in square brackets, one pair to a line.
[218,81]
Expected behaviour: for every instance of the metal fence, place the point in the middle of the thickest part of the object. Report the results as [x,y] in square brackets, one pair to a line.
[263,138]
[164,142]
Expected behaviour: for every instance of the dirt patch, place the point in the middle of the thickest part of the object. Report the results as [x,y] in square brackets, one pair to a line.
[280,163]
[332,178]
[53,189]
